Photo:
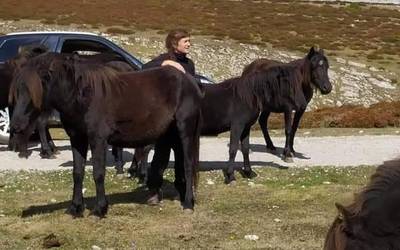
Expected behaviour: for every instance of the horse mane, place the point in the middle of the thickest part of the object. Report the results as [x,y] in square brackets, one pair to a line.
[261,64]
[385,177]
[29,76]
[261,88]
[98,77]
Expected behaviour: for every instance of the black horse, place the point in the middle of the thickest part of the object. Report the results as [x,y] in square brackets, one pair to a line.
[98,106]
[48,148]
[372,221]
[313,72]
[235,104]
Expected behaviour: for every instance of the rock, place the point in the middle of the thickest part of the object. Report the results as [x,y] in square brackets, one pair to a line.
[252,237]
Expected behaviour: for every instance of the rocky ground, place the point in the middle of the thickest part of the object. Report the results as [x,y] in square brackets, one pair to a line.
[354,82]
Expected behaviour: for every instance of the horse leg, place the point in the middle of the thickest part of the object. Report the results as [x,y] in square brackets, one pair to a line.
[138,166]
[245,146]
[79,146]
[179,182]
[263,121]
[190,139]
[157,167]
[233,148]
[119,163]
[287,155]
[50,141]
[46,152]
[98,146]
[296,121]
[143,164]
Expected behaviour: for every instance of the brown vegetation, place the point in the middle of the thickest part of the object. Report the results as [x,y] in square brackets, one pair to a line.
[287,24]
[380,115]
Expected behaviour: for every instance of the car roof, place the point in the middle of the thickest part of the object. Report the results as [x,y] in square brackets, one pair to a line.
[52,32]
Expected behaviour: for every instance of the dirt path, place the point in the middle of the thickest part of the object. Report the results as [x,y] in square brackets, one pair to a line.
[312,151]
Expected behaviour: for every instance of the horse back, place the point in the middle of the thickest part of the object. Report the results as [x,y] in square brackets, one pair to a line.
[220,107]
[259,65]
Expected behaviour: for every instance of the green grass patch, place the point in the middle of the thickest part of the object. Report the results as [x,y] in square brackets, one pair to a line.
[287,209]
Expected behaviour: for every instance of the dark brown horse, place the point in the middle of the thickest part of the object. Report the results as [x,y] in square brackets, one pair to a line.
[372,221]
[98,106]
[7,71]
[313,71]
[48,148]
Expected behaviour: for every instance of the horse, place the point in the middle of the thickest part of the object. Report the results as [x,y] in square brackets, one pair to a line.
[99,106]
[9,69]
[372,221]
[48,148]
[313,71]
[235,104]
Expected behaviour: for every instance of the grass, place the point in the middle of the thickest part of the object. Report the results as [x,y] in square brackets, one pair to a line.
[287,209]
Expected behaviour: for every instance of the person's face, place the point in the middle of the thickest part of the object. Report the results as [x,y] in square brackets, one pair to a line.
[183,45]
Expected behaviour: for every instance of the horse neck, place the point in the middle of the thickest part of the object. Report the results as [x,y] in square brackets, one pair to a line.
[304,65]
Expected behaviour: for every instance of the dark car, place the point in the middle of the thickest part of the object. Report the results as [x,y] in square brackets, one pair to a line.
[62,42]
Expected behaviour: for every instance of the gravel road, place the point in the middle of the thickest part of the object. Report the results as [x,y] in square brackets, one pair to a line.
[312,151]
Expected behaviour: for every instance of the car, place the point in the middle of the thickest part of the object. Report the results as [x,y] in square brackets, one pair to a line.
[62,42]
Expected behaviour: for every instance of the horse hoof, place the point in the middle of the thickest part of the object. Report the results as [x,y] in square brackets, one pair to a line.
[288,159]
[153,200]
[99,211]
[249,174]
[120,171]
[232,183]
[47,156]
[75,210]
[188,211]
[56,152]
[24,155]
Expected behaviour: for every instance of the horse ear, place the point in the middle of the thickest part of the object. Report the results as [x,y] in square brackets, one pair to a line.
[311,52]
[321,51]
[343,212]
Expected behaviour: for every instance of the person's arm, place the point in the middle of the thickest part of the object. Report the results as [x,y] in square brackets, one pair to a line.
[156,62]
[173,64]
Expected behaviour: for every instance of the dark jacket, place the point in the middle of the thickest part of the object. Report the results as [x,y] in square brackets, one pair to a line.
[186,63]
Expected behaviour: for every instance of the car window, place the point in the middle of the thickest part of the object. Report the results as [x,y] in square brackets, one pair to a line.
[9,48]
[86,47]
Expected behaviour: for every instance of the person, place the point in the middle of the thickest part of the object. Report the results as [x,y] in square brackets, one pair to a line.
[177,44]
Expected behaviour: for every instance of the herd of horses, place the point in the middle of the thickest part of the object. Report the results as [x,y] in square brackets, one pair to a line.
[102,101]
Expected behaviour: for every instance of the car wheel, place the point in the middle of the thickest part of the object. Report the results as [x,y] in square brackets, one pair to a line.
[4,126]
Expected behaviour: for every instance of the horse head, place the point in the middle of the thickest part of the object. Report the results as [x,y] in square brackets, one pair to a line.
[319,70]
[372,221]
[349,231]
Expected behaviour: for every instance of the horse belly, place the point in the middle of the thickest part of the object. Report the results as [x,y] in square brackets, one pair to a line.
[142,126]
